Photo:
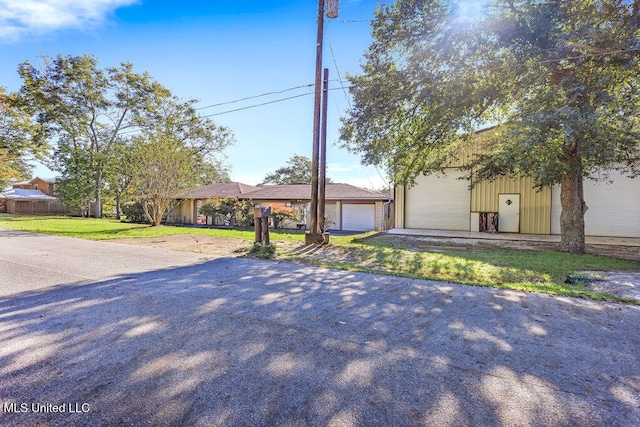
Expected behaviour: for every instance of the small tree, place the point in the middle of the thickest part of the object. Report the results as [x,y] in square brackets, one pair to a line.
[237,212]
[283,214]
[223,206]
[76,186]
[244,213]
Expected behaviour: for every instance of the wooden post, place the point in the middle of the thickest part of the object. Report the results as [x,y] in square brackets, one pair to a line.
[265,230]
[257,219]
[261,218]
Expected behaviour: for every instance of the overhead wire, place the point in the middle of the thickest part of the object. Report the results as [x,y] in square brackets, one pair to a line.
[255,96]
[343,88]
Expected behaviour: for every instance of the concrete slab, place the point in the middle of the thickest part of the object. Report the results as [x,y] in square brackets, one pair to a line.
[590,240]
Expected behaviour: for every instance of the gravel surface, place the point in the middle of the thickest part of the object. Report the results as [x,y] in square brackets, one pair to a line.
[113,334]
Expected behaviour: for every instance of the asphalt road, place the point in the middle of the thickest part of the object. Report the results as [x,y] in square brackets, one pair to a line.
[96,333]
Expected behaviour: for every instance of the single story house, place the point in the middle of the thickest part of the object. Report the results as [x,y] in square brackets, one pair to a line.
[36,196]
[513,205]
[346,207]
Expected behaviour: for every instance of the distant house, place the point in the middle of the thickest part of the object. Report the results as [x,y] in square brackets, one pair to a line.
[35,196]
[346,207]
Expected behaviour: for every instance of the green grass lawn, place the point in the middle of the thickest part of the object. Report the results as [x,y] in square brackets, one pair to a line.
[525,270]
[528,270]
[105,228]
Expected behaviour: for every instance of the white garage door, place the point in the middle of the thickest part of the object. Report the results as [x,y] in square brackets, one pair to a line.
[438,203]
[614,208]
[359,217]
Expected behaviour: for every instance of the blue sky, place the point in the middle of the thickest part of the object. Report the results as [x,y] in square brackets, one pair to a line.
[214,51]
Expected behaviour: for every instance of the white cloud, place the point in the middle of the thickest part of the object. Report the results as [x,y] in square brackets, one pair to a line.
[25,17]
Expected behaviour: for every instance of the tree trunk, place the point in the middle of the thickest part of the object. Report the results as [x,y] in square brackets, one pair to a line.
[118,214]
[573,210]
[98,196]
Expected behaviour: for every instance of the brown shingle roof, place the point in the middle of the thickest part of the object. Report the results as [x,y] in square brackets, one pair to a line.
[303,192]
[225,189]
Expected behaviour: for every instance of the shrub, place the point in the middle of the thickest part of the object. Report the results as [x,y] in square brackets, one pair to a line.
[263,251]
[282,214]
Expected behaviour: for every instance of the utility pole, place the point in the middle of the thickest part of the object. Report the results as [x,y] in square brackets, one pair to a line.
[315,234]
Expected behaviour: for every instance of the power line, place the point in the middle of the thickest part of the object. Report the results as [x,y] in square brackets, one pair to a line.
[264,103]
[339,76]
[344,88]
[255,96]
[257,105]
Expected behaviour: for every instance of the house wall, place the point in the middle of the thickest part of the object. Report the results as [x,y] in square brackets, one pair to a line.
[182,213]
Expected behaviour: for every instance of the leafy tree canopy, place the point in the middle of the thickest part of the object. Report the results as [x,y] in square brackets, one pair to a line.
[561,78]
[175,150]
[297,171]
[20,140]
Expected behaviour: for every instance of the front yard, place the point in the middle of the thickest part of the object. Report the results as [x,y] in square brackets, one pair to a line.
[532,268]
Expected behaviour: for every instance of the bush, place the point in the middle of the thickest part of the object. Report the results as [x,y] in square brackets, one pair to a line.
[134,212]
[238,212]
[283,214]
[263,251]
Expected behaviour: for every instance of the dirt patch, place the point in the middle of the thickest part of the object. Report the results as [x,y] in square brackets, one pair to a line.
[622,284]
[198,243]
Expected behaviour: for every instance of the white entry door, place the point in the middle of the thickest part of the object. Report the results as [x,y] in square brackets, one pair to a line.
[509,213]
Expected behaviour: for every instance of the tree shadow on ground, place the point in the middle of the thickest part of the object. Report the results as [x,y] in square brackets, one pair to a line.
[245,342]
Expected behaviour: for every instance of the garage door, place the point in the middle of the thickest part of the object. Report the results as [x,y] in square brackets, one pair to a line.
[359,217]
[614,208]
[438,203]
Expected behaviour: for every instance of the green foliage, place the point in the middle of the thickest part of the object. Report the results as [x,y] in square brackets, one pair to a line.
[263,251]
[76,184]
[20,138]
[134,212]
[83,107]
[283,214]
[236,212]
[175,150]
[98,229]
[561,78]
[297,171]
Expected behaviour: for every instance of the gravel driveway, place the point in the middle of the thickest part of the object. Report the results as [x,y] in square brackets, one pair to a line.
[111,334]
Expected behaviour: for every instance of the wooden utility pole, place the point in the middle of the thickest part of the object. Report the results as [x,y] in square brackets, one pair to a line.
[315,234]
[323,153]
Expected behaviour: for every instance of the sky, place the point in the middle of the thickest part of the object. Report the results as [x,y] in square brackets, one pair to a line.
[215,51]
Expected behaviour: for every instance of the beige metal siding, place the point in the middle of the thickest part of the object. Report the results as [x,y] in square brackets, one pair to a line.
[437,202]
[614,209]
[535,206]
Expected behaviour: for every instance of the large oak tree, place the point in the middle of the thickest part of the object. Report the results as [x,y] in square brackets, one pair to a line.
[560,78]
